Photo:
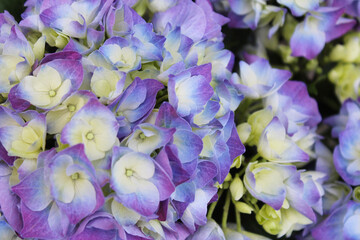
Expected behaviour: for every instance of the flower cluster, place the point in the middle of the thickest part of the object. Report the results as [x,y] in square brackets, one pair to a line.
[117,118]
[128,119]
[279,124]
[341,199]
[322,21]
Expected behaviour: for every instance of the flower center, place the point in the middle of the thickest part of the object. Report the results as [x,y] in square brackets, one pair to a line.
[89,136]
[52,93]
[71,107]
[75,176]
[142,136]
[129,172]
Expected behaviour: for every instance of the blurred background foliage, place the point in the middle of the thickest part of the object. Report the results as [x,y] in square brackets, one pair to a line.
[14,7]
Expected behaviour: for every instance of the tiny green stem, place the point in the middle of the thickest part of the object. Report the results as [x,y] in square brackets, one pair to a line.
[254,158]
[163,98]
[257,209]
[226,210]
[213,205]
[238,219]
[254,108]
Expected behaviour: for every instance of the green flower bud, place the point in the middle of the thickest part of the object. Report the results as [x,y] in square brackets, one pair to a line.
[270,219]
[345,77]
[55,39]
[243,208]
[237,188]
[244,131]
[237,161]
[349,52]
[356,194]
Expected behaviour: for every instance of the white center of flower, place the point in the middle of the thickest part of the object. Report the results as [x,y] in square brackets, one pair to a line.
[129,172]
[142,136]
[89,136]
[71,107]
[52,93]
[75,176]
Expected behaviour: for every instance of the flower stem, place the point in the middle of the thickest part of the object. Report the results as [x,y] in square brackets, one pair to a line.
[226,210]
[213,205]
[254,158]
[238,220]
[162,99]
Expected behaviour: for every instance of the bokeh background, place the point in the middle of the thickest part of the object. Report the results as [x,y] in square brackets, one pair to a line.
[15,7]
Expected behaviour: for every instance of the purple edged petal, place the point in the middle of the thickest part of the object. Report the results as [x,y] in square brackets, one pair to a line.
[34,191]
[186,15]
[308,39]
[36,224]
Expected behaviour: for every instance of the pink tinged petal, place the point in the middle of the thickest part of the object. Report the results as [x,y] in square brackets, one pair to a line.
[308,39]
[343,25]
[36,224]
[34,191]
[9,203]
[62,186]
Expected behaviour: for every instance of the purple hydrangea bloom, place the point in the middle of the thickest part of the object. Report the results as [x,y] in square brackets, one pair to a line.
[140,183]
[259,79]
[64,190]
[288,186]
[294,107]
[341,224]
[95,126]
[190,90]
[346,157]
[135,104]
[318,28]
